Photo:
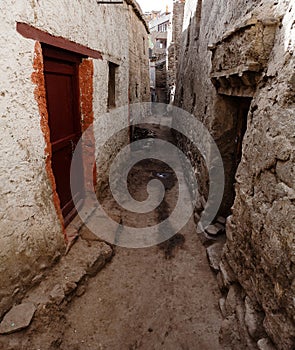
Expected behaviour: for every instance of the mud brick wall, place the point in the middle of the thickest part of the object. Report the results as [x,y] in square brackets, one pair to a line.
[31,227]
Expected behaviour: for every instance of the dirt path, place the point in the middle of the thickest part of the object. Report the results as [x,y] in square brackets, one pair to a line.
[143,300]
[163,297]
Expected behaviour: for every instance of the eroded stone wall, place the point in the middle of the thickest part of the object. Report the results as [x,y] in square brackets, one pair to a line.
[257,269]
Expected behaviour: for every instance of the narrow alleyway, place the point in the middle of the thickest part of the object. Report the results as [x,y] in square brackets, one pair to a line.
[183,240]
[163,297]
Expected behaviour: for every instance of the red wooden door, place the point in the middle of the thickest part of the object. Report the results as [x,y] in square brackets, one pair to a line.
[62,92]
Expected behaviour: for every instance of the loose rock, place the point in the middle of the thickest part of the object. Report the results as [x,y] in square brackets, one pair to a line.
[19,317]
[68,287]
[57,294]
[221,220]
[213,230]
[80,290]
[220,226]
[214,253]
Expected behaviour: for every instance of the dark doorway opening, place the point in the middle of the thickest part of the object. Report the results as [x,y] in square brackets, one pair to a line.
[236,109]
[61,72]
[113,68]
[241,127]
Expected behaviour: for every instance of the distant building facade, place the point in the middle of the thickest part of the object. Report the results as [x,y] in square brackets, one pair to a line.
[159,26]
[174,44]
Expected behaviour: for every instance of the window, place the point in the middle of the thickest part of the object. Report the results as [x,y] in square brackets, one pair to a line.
[163,27]
[112,85]
[143,42]
[161,44]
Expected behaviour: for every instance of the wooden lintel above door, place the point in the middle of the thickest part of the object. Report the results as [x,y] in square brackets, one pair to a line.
[31,32]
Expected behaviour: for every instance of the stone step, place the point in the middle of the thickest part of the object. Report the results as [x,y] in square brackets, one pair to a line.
[63,282]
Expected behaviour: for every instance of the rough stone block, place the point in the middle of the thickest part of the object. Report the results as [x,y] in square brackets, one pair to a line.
[227,274]
[214,230]
[19,317]
[265,344]
[247,341]
[229,229]
[214,253]
[232,300]
[57,294]
[220,226]
[66,279]
[221,220]
[68,287]
[253,320]
[229,334]
[222,308]
[220,283]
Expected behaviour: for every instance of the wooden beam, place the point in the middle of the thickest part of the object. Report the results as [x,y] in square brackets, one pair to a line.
[30,32]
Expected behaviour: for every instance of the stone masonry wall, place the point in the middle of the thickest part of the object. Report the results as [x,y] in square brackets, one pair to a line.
[31,233]
[174,41]
[257,268]
[139,86]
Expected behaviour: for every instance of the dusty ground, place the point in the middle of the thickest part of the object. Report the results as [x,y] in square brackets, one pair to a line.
[163,297]
[142,300]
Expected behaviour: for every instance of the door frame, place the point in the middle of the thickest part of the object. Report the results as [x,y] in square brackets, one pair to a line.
[60,55]
[86,76]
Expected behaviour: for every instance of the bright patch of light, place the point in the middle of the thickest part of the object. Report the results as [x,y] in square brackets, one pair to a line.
[157,5]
